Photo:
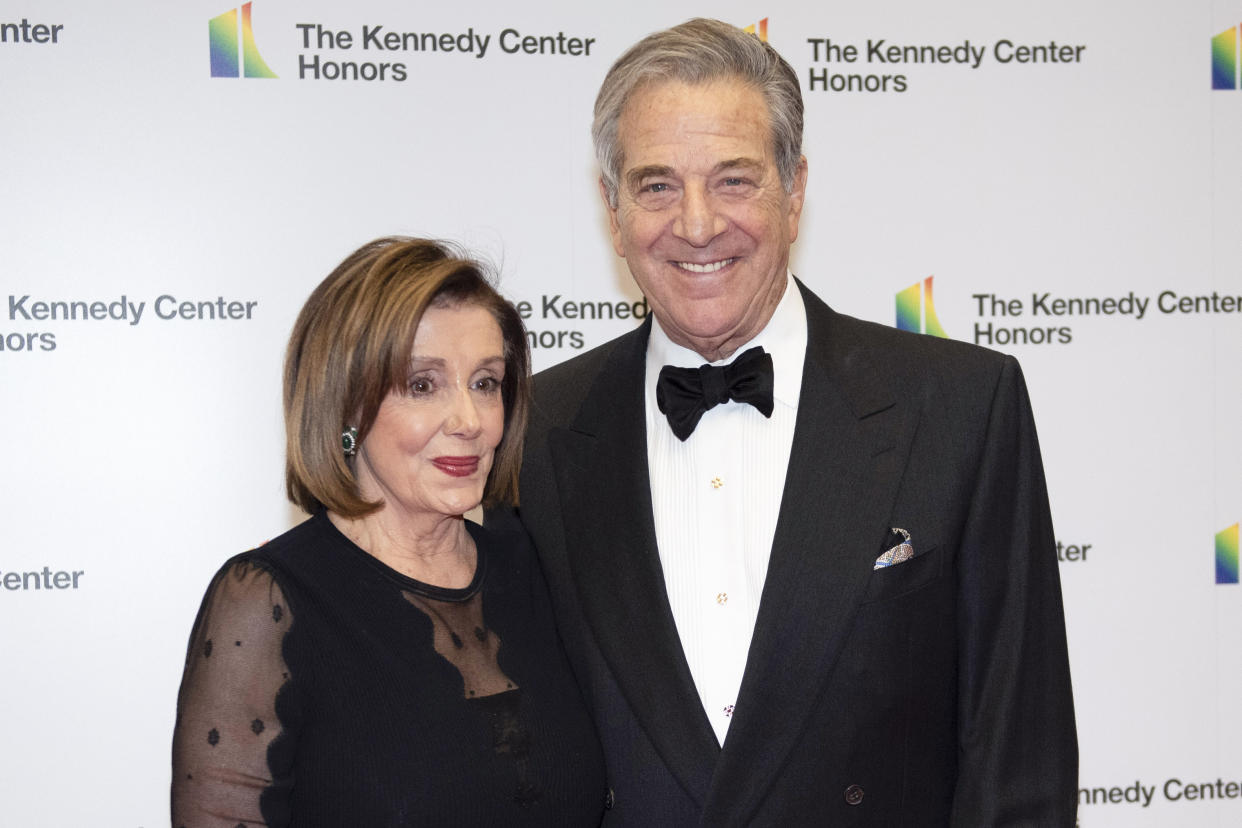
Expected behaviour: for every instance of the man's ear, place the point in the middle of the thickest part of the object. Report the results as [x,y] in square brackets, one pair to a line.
[614,221]
[797,195]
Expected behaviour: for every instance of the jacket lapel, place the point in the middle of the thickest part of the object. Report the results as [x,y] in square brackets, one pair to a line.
[600,463]
[849,446]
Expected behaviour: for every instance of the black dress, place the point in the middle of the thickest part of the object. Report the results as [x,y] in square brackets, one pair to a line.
[323,688]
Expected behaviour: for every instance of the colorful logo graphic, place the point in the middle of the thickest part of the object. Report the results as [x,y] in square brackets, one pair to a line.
[916,310]
[223,38]
[1225,59]
[760,29]
[1227,555]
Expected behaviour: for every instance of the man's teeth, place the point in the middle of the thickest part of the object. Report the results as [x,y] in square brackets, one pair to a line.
[711,267]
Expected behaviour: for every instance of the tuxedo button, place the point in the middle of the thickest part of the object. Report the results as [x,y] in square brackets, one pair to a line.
[853,795]
[609,800]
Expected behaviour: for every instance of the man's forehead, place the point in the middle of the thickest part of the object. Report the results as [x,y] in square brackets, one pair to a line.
[674,111]
[649,91]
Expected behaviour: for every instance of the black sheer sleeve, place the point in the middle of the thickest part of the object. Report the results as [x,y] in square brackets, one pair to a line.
[227,708]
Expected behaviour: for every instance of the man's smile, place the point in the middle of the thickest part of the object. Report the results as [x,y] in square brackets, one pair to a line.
[708,267]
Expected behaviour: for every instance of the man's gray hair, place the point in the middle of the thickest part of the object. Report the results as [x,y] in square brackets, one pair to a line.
[696,52]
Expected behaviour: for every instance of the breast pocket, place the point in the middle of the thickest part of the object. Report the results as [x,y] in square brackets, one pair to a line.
[904,578]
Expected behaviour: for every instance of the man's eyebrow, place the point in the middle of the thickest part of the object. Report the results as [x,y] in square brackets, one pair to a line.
[737,163]
[635,176]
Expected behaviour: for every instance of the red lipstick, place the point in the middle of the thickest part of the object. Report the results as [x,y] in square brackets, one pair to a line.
[457,466]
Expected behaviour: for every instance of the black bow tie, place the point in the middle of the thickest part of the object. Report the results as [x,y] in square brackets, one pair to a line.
[685,394]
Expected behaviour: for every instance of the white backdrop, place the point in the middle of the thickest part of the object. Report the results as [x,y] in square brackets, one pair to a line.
[143,450]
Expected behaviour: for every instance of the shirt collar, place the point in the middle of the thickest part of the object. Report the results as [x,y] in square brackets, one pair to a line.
[784,338]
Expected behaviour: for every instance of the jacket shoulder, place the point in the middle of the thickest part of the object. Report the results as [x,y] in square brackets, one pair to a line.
[916,360]
[561,389]
[924,348]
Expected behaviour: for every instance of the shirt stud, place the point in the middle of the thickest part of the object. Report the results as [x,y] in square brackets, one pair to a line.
[717,482]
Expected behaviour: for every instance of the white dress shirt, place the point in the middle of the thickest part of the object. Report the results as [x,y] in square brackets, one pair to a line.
[716,498]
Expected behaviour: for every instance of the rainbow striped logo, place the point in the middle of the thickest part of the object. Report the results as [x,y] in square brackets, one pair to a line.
[1225,59]
[760,29]
[916,310]
[226,57]
[1227,555]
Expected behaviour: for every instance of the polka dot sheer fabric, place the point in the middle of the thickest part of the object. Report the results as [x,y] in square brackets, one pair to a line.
[227,719]
[323,688]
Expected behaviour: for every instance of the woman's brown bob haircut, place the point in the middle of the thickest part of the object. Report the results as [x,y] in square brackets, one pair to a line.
[351,346]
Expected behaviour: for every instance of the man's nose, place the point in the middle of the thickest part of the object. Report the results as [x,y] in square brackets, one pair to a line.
[698,221]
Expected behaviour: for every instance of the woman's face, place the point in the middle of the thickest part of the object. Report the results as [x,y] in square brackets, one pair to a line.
[431,446]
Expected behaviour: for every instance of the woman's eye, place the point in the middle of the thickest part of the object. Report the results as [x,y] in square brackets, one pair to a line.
[488,384]
[420,385]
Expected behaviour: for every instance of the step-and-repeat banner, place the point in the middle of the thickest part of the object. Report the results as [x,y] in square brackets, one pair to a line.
[1058,180]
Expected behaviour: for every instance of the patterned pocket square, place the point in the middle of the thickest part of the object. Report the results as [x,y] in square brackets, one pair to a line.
[902,551]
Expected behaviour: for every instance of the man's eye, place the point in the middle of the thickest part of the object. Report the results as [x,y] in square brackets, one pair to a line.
[657,187]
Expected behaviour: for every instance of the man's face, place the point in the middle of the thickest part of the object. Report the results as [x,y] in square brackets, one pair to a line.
[702,218]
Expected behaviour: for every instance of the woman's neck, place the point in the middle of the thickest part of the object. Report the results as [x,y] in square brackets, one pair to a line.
[435,549]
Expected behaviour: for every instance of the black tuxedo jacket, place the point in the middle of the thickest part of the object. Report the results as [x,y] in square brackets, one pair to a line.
[933,692]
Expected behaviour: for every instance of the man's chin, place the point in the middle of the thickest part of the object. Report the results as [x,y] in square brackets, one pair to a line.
[705,333]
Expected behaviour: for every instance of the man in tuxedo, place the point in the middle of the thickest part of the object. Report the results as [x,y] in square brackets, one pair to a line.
[814,581]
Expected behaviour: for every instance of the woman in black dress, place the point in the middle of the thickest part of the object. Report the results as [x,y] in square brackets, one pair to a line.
[387,662]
